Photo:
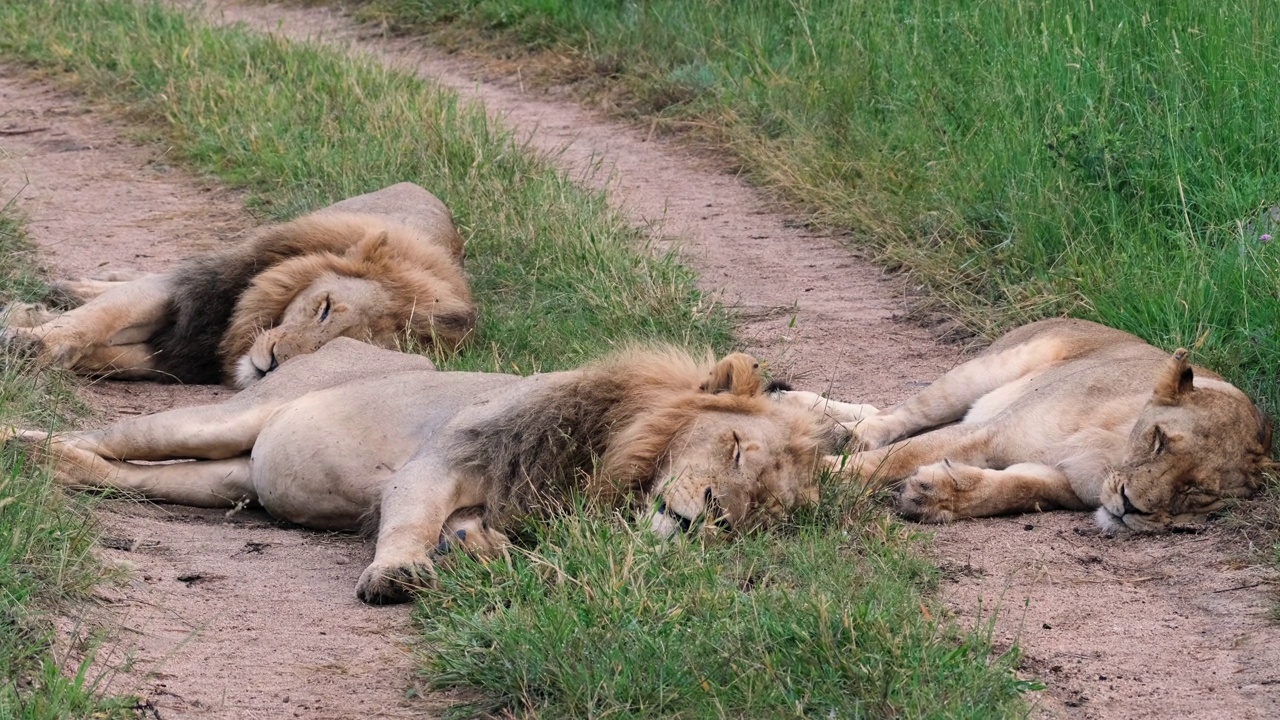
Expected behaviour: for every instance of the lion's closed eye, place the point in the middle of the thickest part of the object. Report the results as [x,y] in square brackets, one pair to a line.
[1159,440]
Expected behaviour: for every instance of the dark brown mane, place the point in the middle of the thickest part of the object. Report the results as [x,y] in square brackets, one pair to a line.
[534,454]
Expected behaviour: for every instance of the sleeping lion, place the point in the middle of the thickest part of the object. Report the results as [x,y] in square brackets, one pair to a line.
[1064,414]
[381,267]
[351,432]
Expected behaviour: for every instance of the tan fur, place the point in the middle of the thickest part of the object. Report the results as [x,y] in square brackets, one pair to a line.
[1068,414]
[736,374]
[427,298]
[388,264]
[352,432]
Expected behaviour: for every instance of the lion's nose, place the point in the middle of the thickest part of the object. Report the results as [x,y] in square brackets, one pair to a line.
[715,511]
[1128,506]
[684,522]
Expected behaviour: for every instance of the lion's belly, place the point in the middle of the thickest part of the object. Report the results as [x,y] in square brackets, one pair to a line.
[322,460]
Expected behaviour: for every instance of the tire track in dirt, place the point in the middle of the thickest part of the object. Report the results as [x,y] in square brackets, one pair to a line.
[220,617]
[1163,627]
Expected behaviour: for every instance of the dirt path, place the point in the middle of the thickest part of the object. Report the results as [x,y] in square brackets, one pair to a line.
[1118,628]
[238,617]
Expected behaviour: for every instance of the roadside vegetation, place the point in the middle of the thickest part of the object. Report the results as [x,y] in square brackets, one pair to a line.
[831,615]
[1114,161]
[45,539]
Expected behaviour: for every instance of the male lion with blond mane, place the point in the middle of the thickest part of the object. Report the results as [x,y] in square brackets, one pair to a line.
[1065,414]
[351,432]
[381,267]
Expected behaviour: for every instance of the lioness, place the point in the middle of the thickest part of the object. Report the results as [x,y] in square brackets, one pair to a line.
[379,267]
[352,431]
[1066,414]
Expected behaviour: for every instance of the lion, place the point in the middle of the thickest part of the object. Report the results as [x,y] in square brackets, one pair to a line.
[381,267]
[1065,414]
[353,432]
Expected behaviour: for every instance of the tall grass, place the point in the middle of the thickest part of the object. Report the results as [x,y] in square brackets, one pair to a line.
[45,539]
[1111,160]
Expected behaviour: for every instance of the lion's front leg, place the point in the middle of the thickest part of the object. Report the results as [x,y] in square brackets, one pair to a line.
[416,503]
[951,397]
[889,465]
[944,491]
[848,414]
[120,362]
[73,293]
[126,315]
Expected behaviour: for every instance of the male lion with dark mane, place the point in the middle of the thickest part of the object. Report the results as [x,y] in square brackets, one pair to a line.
[1065,414]
[381,267]
[438,458]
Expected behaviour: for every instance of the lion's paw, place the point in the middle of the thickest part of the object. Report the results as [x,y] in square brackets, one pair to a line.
[472,538]
[47,348]
[933,493]
[873,432]
[19,340]
[388,584]
[835,464]
[24,315]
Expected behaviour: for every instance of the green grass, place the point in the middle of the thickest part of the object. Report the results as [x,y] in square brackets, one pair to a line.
[1111,160]
[827,617]
[45,537]
[833,613]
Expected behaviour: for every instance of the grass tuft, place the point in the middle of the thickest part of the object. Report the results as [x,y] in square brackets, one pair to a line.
[46,538]
[826,617]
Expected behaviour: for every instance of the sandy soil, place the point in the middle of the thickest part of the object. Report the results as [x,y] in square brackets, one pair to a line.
[1117,628]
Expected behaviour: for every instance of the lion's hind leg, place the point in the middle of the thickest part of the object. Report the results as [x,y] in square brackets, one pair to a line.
[944,491]
[197,483]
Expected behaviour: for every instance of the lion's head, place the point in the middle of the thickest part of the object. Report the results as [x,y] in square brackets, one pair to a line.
[385,287]
[723,459]
[1197,442]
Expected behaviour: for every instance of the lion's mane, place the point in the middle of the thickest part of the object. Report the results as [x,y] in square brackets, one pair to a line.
[203,322]
[607,430]
[427,287]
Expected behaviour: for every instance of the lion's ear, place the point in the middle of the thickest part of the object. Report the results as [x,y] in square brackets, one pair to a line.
[1175,379]
[736,374]
[372,246]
